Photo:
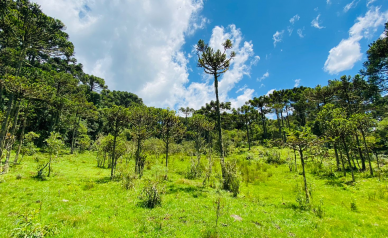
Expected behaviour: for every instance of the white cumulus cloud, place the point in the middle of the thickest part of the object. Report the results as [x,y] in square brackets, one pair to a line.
[197,94]
[348,51]
[134,45]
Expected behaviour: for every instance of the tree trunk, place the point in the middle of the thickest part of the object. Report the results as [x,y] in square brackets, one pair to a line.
[113,157]
[347,155]
[4,126]
[73,136]
[377,160]
[367,152]
[336,156]
[21,140]
[12,141]
[137,159]
[249,139]
[167,144]
[219,126]
[304,175]
[296,165]
[49,168]
[343,163]
[360,153]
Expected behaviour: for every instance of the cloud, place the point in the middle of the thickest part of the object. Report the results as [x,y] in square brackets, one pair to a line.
[242,88]
[315,23]
[300,33]
[277,37]
[297,82]
[240,100]
[348,51]
[294,19]
[134,45]
[351,5]
[262,85]
[369,2]
[266,75]
[270,92]
[198,94]
[290,30]
[328,2]
[316,9]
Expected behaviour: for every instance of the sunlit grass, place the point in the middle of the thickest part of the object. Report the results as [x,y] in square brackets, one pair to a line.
[82,201]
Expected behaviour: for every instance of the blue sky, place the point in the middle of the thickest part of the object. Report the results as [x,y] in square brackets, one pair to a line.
[146,47]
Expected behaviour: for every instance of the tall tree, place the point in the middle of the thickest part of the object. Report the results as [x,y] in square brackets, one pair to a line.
[118,119]
[215,63]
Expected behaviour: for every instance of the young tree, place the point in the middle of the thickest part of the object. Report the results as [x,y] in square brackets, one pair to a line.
[118,119]
[200,129]
[215,63]
[364,123]
[248,115]
[302,140]
[54,144]
[170,129]
[143,122]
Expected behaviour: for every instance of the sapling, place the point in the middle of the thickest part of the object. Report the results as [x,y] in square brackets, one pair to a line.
[54,144]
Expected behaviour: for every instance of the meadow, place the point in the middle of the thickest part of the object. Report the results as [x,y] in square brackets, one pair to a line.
[80,200]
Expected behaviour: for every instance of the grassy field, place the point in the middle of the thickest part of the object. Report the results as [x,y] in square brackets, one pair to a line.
[79,200]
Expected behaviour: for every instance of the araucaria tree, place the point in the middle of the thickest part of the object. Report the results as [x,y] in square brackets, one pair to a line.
[200,129]
[170,129]
[302,140]
[216,63]
[118,119]
[143,120]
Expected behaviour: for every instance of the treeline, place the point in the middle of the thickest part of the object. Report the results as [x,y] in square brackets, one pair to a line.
[45,96]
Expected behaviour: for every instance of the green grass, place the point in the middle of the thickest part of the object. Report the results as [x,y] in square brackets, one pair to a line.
[82,201]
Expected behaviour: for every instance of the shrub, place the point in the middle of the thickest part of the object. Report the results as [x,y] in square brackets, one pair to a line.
[128,181]
[151,194]
[273,157]
[231,181]
[194,171]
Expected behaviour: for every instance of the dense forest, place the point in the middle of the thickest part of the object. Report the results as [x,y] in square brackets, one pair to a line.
[50,108]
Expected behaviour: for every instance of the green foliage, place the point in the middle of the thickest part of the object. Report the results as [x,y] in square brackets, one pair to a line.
[152,194]
[231,181]
[29,226]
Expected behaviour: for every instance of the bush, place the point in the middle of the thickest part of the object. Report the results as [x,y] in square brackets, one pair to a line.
[194,171]
[128,181]
[231,181]
[151,194]
[273,157]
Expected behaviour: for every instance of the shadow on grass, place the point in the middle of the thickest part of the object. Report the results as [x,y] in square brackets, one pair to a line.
[103,180]
[335,182]
[174,189]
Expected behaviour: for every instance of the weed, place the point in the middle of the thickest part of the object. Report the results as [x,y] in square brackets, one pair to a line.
[353,205]
[151,194]
[28,226]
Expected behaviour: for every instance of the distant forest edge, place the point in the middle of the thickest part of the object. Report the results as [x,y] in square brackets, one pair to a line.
[46,99]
